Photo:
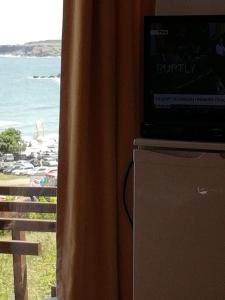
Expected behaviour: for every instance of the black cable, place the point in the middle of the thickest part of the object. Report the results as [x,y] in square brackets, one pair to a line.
[124,193]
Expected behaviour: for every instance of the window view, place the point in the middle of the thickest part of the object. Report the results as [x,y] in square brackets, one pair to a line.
[30,63]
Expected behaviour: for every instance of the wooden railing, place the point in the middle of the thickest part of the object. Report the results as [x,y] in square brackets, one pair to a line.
[18,247]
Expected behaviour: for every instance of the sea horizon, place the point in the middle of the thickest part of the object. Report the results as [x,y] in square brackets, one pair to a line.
[24,100]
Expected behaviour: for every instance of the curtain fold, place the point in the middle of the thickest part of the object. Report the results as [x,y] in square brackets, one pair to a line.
[99,118]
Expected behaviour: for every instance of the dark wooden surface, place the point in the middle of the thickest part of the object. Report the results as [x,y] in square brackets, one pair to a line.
[28,206]
[53,291]
[20,268]
[19,247]
[27,225]
[28,191]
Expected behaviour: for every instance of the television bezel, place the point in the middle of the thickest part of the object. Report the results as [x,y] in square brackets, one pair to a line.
[152,114]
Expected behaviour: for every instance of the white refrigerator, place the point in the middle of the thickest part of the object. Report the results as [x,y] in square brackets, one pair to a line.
[179,220]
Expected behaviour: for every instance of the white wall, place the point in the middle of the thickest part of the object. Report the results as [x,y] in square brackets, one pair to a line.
[199,7]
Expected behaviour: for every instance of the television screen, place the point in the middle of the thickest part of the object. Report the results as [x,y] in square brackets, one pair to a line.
[185,65]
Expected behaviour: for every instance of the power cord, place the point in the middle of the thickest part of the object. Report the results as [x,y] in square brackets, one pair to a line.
[124,193]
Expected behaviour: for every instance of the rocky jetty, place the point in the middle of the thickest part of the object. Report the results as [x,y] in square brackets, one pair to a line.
[40,49]
[44,77]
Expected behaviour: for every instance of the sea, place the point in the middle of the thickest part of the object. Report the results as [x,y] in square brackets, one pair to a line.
[26,99]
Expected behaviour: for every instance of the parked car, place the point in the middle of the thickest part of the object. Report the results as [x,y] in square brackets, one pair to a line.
[8,157]
[22,162]
[19,156]
[9,169]
[38,171]
[26,170]
[35,162]
[51,162]
[22,170]
[2,165]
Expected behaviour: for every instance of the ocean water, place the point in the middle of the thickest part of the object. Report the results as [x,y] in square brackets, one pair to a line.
[24,101]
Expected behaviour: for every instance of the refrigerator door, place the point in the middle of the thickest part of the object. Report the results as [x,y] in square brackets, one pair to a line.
[179,225]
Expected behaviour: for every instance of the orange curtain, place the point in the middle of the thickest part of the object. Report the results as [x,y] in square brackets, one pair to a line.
[99,118]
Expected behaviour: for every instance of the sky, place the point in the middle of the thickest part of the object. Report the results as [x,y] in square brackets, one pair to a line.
[24,21]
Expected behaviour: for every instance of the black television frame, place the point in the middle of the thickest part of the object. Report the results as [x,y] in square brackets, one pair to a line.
[151,114]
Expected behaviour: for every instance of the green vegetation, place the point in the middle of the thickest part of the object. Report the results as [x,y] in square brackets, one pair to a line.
[6,277]
[11,141]
[40,269]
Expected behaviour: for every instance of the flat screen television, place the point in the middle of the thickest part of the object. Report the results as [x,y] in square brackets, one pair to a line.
[184,75]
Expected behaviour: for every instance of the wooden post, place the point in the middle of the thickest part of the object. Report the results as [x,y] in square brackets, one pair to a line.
[53,291]
[20,270]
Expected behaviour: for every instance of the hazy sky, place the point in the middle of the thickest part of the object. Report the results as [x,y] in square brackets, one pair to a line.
[30,20]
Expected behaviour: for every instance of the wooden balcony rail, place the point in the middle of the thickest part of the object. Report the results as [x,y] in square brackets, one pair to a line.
[28,206]
[27,225]
[18,246]
[28,191]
